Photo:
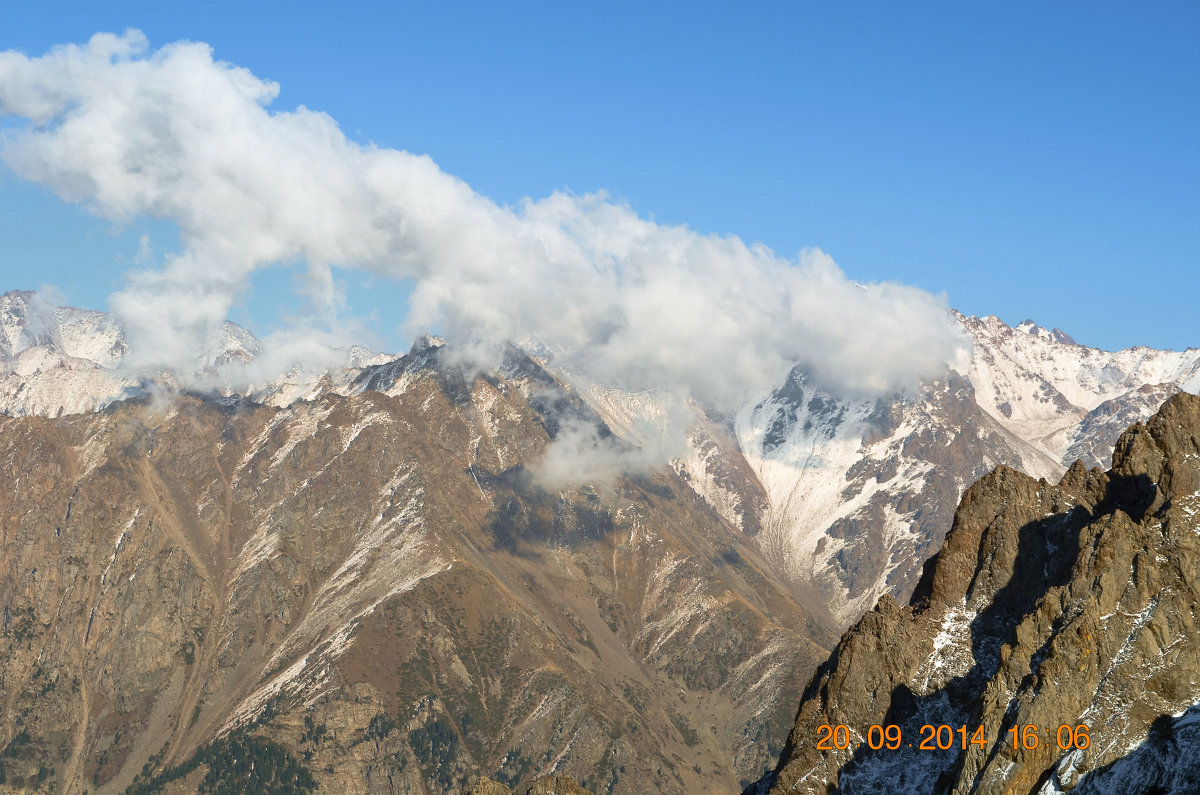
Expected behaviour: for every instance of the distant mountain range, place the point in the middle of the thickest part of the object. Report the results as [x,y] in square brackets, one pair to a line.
[356,567]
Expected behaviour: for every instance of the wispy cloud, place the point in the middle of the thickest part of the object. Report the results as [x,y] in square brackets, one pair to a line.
[128,131]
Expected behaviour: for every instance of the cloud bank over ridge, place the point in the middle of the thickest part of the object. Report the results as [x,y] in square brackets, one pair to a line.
[128,131]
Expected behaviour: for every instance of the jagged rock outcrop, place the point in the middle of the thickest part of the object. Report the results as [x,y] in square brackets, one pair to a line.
[1067,605]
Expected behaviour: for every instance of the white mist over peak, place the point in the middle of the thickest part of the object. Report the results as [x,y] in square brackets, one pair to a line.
[128,131]
[65,360]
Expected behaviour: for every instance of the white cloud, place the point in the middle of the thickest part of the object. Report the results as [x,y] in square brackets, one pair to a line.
[129,131]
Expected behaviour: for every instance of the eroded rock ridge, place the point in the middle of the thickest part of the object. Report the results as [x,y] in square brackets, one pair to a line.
[1069,604]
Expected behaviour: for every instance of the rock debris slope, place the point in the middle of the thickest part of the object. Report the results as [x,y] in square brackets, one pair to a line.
[1049,605]
[373,591]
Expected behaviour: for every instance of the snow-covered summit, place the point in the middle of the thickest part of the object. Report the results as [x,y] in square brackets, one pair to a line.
[29,321]
[58,360]
[1043,386]
[1054,335]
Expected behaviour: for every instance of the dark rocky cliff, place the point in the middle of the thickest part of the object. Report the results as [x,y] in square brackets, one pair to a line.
[1050,605]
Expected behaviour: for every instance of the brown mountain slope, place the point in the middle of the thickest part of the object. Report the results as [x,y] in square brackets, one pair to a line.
[376,585]
[1069,605]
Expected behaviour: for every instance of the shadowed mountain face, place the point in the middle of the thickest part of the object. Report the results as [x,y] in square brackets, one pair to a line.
[375,590]
[1069,605]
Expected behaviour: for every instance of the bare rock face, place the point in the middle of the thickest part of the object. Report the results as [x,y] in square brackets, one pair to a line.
[1069,608]
[372,593]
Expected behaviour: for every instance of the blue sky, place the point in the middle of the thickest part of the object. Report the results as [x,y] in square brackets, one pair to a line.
[1027,159]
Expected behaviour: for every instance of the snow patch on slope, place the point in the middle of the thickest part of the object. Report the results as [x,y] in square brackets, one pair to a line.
[391,555]
[1040,384]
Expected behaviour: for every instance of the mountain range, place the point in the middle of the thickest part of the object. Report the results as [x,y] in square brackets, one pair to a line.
[358,569]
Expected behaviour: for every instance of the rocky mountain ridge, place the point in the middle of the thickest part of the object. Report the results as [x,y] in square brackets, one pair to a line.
[643,632]
[1050,605]
[828,486]
[370,590]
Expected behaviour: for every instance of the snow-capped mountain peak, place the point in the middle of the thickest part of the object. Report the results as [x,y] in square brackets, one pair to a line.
[59,360]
